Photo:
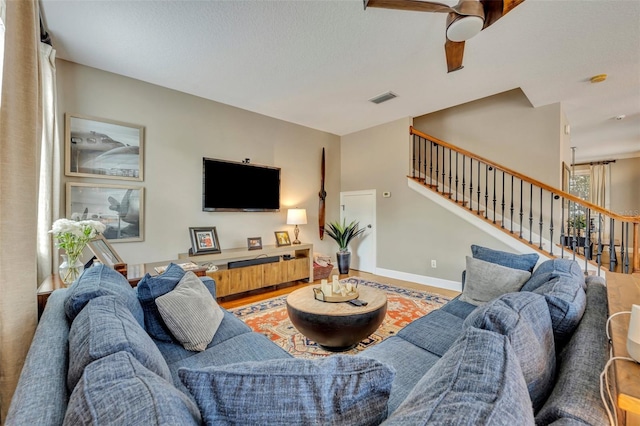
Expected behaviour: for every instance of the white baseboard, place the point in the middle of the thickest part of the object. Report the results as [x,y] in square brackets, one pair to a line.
[420,279]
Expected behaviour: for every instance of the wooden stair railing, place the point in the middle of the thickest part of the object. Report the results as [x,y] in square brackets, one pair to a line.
[514,202]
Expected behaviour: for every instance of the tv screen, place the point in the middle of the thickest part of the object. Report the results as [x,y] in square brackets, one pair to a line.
[232,186]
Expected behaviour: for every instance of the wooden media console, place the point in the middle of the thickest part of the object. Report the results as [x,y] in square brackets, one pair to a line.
[243,279]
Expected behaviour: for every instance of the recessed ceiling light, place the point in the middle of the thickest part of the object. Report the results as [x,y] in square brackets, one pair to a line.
[598,78]
[383,98]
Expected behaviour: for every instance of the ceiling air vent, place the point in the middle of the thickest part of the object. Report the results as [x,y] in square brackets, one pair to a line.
[383,98]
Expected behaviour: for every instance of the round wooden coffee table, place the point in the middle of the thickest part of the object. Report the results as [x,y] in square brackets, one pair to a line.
[339,326]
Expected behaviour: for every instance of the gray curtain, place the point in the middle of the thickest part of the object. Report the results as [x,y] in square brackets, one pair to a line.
[20,136]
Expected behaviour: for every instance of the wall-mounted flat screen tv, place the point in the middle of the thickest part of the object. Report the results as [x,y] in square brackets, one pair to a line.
[231,186]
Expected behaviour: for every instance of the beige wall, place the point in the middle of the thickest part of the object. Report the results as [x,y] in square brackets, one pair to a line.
[504,128]
[411,230]
[625,186]
[180,130]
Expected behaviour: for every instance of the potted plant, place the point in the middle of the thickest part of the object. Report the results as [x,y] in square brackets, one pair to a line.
[343,234]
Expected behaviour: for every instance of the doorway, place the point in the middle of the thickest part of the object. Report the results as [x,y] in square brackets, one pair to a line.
[360,206]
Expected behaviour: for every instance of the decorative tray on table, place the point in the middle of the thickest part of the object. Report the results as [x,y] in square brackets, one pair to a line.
[334,298]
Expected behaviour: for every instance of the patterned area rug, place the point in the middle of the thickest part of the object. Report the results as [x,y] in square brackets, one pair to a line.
[270,318]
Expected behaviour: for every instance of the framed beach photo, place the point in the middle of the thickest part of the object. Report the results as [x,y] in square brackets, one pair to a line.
[102,148]
[204,240]
[118,207]
[254,243]
[103,251]
[282,238]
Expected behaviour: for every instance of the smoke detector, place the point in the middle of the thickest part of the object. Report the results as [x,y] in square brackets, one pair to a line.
[620,117]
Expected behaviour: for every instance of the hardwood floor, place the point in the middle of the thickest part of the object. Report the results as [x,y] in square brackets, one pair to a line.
[269,292]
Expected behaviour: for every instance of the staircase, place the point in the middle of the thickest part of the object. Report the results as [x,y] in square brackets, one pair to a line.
[530,213]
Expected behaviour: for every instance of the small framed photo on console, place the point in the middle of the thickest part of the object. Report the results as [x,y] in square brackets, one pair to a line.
[104,252]
[282,238]
[204,240]
[254,243]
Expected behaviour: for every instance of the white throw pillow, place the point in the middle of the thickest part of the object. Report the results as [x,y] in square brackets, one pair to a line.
[485,281]
[191,313]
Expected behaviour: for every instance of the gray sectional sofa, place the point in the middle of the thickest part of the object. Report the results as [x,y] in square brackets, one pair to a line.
[101,355]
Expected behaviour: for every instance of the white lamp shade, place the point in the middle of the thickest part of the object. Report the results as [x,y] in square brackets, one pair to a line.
[297,217]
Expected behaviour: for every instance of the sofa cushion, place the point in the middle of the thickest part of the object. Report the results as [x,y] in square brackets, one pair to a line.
[242,348]
[553,268]
[524,319]
[486,281]
[409,361]
[434,332]
[118,390]
[477,382]
[459,308]
[105,326]
[100,280]
[566,300]
[151,287]
[230,327]
[576,394]
[340,389]
[526,262]
[191,313]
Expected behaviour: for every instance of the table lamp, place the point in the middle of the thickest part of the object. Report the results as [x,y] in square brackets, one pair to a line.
[296,217]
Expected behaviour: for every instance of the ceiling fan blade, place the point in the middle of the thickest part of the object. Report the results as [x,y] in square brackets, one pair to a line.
[413,5]
[454,51]
[494,10]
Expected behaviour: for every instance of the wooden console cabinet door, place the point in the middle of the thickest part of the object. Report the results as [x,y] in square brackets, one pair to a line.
[223,286]
[274,273]
[297,269]
[245,279]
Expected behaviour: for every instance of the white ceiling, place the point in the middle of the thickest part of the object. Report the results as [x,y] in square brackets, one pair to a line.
[316,63]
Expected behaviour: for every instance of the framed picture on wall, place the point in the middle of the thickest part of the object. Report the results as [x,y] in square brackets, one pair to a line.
[204,240]
[119,207]
[102,148]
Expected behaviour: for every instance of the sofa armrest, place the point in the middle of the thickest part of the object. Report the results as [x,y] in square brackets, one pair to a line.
[575,398]
[211,285]
[41,395]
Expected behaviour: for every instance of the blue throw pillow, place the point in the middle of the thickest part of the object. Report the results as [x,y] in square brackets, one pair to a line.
[477,382]
[100,280]
[566,300]
[339,389]
[524,318]
[553,268]
[149,289]
[105,326]
[118,390]
[526,262]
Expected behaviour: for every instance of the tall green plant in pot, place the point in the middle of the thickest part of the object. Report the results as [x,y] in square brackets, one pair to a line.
[343,234]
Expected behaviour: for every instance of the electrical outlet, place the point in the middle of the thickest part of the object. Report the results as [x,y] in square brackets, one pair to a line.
[433,263]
